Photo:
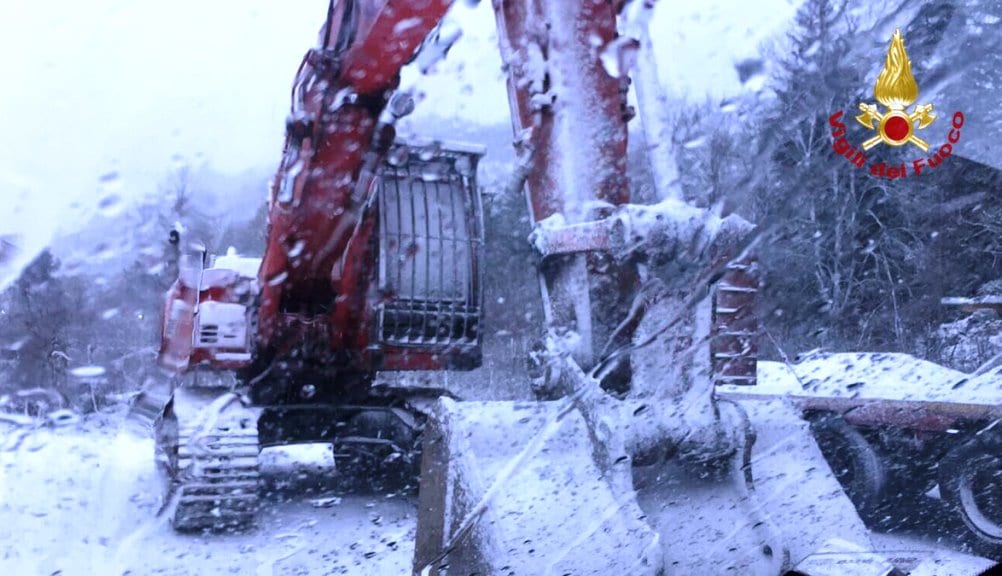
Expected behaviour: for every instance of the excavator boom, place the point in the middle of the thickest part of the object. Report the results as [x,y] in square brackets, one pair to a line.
[316,270]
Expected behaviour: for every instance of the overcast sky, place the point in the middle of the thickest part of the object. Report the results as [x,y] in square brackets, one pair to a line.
[104,97]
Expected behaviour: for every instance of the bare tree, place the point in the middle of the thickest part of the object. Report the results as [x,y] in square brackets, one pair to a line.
[42,314]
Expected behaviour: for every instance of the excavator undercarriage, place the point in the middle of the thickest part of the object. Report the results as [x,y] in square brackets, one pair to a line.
[208,442]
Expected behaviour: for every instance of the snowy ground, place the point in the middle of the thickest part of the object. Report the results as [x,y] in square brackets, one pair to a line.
[82,499]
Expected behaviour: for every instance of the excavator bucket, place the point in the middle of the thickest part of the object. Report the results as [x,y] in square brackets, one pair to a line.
[511,488]
[514,488]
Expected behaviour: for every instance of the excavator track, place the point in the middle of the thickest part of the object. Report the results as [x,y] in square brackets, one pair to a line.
[210,472]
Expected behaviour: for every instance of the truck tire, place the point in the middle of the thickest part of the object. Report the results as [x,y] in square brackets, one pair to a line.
[854,461]
[970,482]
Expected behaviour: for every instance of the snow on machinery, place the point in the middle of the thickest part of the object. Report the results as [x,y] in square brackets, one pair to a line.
[414,313]
[641,479]
[637,466]
[426,316]
[373,263]
[894,427]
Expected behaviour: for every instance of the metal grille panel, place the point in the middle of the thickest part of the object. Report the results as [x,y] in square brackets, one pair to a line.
[430,243]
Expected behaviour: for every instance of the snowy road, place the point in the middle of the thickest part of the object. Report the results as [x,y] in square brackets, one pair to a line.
[82,500]
[84,503]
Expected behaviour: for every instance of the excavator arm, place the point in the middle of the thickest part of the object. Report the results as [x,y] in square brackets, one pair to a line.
[321,236]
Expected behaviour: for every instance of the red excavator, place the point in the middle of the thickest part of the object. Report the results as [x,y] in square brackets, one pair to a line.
[374,262]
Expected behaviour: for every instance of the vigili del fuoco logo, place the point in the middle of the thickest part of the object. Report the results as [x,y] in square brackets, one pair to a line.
[895,125]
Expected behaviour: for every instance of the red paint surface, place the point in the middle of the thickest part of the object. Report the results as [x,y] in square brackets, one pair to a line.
[316,300]
[896,128]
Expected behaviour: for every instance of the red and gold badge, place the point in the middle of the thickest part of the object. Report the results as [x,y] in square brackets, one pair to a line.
[896,89]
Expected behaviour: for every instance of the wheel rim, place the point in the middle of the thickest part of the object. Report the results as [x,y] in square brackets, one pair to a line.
[980,492]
